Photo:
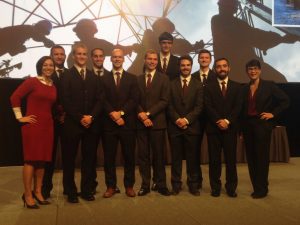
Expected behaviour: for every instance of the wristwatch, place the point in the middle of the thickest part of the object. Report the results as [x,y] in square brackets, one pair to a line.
[122,113]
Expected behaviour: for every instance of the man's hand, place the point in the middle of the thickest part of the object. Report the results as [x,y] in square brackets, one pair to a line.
[115,115]
[120,122]
[86,121]
[266,116]
[142,116]
[181,123]
[222,124]
[148,123]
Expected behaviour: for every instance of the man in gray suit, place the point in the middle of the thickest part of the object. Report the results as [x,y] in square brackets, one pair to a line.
[185,106]
[153,101]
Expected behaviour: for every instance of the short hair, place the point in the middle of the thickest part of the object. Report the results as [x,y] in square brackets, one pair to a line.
[186,57]
[56,47]
[252,63]
[40,63]
[204,51]
[78,45]
[220,59]
[94,49]
[165,36]
[150,51]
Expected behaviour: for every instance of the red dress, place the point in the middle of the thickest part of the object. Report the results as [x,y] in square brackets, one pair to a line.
[37,138]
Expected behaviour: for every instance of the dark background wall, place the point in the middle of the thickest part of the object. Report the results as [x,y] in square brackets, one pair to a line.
[10,134]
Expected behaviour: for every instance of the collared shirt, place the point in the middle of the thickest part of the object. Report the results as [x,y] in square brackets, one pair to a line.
[115,76]
[220,82]
[188,79]
[57,71]
[78,68]
[152,75]
[161,56]
[95,69]
[202,72]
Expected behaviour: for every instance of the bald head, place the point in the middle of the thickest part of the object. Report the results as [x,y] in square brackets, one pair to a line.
[117,58]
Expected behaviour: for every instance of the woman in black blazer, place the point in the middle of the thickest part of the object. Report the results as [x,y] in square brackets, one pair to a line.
[263,102]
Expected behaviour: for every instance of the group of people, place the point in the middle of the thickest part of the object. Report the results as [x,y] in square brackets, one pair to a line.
[83,106]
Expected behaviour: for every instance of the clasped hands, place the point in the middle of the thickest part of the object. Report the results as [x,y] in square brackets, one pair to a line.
[145,119]
[116,117]
[86,121]
[182,123]
[222,124]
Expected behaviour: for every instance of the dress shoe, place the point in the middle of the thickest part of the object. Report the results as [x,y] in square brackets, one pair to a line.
[175,191]
[258,195]
[130,192]
[195,192]
[41,202]
[73,198]
[88,196]
[215,193]
[154,187]
[164,191]
[143,191]
[34,206]
[110,192]
[232,194]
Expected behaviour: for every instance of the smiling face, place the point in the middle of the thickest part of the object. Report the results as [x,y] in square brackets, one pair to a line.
[47,68]
[117,59]
[165,46]
[58,55]
[151,61]
[253,73]
[80,56]
[222,69]
[98,58]
[204,60]
[185,67]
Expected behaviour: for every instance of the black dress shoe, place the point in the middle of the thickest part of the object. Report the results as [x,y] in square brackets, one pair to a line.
[232,194]
[72,198]
[258,195]
[175,191]
[154,187]
[87,196]
[195,192]
[143,191]
[215,193]
[46,194]
[164,191]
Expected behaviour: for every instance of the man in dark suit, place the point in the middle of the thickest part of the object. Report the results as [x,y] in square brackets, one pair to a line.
[263,102]
[58,55]
[223,104]
[98,57]
[119,124]
[82,101]
[205,75]
[186,103]
[154,90]
[167,63]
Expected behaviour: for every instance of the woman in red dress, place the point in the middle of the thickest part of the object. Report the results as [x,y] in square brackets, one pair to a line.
[37,129]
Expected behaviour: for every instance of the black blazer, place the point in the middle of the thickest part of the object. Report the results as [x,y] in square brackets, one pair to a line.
[80,97]
[154,99]
[124,98]
[173,70]
[218,107]
[188,106]
[269,98]
[211,76]
[57,108]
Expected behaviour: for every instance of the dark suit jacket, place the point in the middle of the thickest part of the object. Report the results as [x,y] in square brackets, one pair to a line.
[269,98]
[80,97]
[218,107]
[188,106]
[211,76]
[154,99]
[172,69]
[124,98]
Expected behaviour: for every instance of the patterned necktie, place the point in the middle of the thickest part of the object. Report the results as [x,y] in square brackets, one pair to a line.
[164,68]
[148,83]
[223,89]
[82,74]
[184,87]
[118,74]
[204,79]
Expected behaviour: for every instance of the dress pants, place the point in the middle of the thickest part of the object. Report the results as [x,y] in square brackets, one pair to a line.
[257,137]
[151,149]
[89,143]
[110,143]
[187,145]
[216,142]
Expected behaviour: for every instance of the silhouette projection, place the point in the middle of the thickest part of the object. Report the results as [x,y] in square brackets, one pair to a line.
[8,68]
[13,38]
[236,40]
[150,41]
[85,30]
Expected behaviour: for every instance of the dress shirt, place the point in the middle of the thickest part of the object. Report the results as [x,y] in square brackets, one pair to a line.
[161,56]
[115,76]
[81,68]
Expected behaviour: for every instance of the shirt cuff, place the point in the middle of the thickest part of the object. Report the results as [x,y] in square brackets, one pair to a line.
[186,120]
[227,121]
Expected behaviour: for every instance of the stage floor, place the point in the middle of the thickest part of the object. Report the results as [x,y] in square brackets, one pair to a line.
[281,207]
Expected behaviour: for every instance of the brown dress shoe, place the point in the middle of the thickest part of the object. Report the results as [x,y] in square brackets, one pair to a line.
[109,192]
[130,192]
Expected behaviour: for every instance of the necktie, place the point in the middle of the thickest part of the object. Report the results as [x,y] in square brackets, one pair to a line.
[82,74]
[98,73]
[184,87]
[164,68]
[118,79]
[59,72]
[148,83]
[223,89]
[204,79]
